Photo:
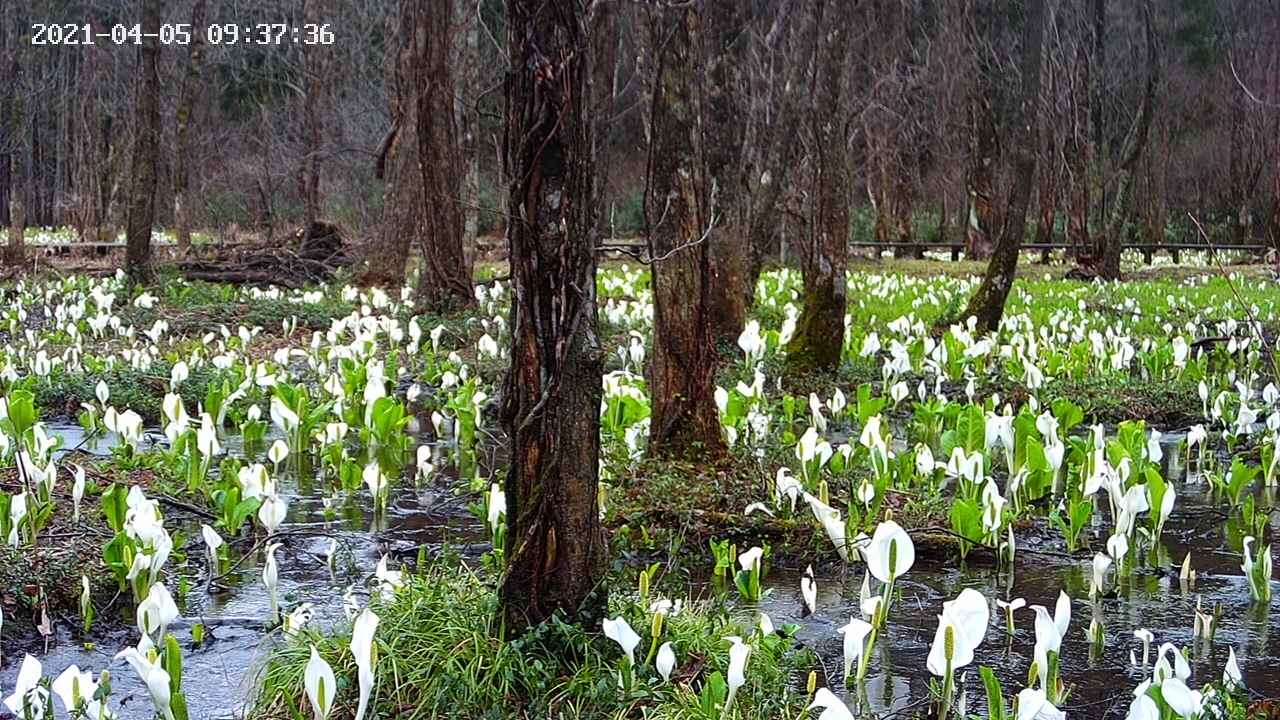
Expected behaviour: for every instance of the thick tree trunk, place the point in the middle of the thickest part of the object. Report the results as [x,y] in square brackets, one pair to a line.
[987,304]
[819,335]
[444,282]
[182,154]
[556,548]
[680,220]
[146,150]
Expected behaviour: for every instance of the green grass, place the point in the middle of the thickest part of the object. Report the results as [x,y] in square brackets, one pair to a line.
[439,653]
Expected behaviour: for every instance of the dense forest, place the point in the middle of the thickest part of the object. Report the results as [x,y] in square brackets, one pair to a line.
[1144,111]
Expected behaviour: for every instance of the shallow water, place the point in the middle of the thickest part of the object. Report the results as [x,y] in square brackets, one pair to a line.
[218,675]
[1101,682]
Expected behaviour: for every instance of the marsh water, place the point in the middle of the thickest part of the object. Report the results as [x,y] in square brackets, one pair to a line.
[219,674]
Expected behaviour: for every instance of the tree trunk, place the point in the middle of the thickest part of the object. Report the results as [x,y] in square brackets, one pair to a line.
[767,175]
[397,163]
[981,225]
[1077,158]
[15,253]
[555,548]
[11,122]
[680,220]
[312,129]
[146,150]
[469,125]
[724,133]
[10,133]
[182,154]
[1048,203]
[444,282]
[987,304]
[819,335]
[1130,155]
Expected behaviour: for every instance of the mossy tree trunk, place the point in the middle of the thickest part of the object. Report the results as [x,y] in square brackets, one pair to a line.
[819,335]
[681,221]
[987,304]
[555,548]
[146,150]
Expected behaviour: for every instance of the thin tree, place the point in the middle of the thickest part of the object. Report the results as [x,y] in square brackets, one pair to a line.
[11,128]
[555,548]
[146,150]
[681,215]
[819,334]
[987,304]
[182,131]
[313,69]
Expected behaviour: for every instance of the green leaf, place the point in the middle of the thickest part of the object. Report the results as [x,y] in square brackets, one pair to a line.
[995,696]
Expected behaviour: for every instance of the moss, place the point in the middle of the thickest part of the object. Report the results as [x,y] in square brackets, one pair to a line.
[819,336]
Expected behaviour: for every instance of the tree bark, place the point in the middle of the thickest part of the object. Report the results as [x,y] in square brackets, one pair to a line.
[555,547]
[146,150]
[987,304]
[312,126]
[11,115]
[681,219]
[469,125]
[819,334]
[1130,155]
[444,282]
[397,164]
[182,153]
[981,226]
[724,134]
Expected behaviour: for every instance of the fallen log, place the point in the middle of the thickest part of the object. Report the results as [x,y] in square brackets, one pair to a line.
[319,253]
